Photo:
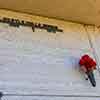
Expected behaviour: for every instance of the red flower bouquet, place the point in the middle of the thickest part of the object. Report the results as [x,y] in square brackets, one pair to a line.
[88,65]
[87,62]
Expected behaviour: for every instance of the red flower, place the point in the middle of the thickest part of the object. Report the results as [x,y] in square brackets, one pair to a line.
[87,62]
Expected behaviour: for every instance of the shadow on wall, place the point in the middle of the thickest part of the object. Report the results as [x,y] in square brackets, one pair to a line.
[73,62]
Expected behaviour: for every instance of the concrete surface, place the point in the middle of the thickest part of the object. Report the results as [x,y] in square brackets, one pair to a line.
[35,64]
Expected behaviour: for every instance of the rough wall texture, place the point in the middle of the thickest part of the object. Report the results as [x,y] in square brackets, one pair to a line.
[40,65]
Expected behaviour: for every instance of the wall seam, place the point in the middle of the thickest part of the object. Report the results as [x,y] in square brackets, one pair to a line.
[92,46]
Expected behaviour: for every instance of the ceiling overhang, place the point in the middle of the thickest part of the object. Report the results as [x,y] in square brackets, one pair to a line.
[80,11]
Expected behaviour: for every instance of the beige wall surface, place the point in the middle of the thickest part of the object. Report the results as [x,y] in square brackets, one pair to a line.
[42,63]
[82,11]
